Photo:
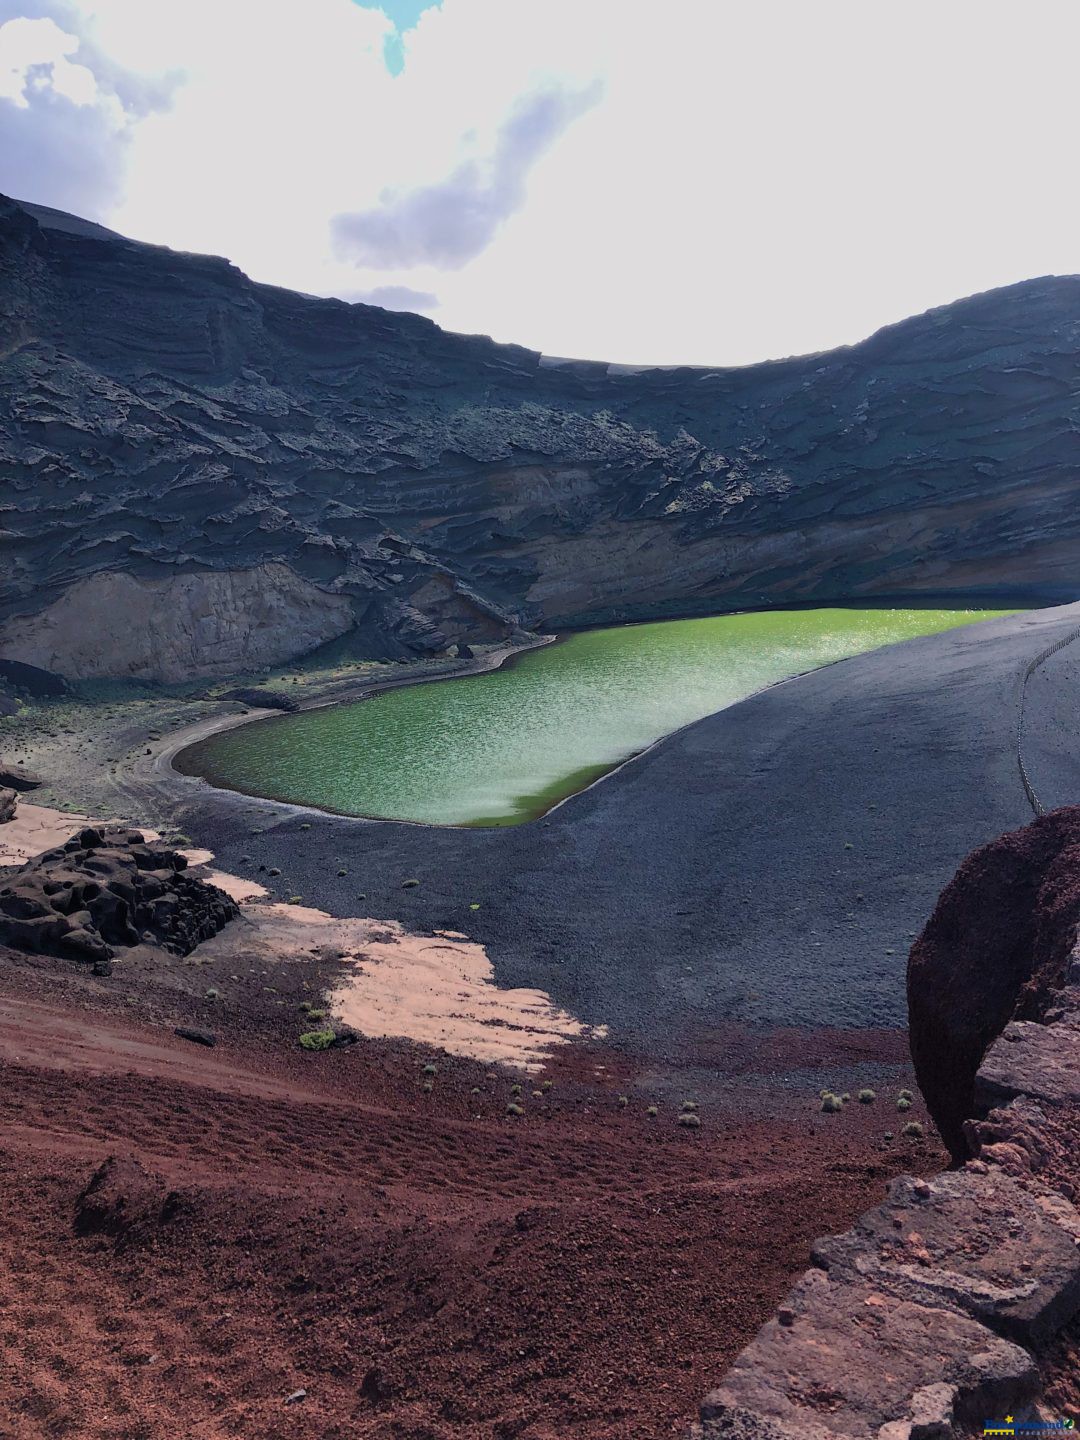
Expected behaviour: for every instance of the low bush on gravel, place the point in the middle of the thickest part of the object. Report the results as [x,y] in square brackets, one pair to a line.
[913,1130]
[689,1120]
[514,1109]
[430,1069]
[903,1104]
[317,1039]
[831,1103]
[867,1097]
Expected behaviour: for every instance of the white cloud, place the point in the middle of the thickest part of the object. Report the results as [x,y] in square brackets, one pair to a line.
[759,177]
[452,221]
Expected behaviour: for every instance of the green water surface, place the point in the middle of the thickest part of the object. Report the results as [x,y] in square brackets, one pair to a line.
[500,748]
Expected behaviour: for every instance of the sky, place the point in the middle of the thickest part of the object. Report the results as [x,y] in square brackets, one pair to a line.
[645,181]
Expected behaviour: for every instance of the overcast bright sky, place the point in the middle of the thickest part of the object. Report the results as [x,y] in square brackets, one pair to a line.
[705,181]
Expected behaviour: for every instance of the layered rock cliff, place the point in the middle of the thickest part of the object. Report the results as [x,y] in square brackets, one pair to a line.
[162,416]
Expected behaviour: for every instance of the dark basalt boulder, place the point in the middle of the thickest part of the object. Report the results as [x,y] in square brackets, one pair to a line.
[106,889]
[17,777]
[995,949]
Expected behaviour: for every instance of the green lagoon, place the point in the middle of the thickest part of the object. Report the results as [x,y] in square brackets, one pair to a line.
[503,747]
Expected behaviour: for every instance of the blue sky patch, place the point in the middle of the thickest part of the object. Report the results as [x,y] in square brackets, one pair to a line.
[404,15]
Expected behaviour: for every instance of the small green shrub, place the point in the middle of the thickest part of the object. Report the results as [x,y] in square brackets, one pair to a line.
[831,1103]
[623,1102]
[514,1109]
[342,873]
[314,1014]
[475,1090]
[689,1120]
[474,907]
[306,825]
[515,1089]
[296,899]
[427,1087]
[409,884]
[652,1112]
[430,1069]
[317,1039]
[903,1104]
[913,1130]
[867,1097]
[906,1095]
[213,993]
[546,1086]
[689,1105]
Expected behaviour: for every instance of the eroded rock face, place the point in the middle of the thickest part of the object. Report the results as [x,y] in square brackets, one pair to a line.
[208,623]
[163,416]
[844,1359]
[996,946]
[9,800]
[106,889]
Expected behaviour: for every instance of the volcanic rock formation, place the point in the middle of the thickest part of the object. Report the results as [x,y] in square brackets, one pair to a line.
[253,472]
[995,949]
[109,888]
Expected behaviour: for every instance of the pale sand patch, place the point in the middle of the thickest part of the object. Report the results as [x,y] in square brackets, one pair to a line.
[437,990]
[197,857]
[36,828]
[236,886]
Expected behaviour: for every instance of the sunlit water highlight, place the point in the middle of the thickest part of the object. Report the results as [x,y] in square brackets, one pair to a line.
[502,747]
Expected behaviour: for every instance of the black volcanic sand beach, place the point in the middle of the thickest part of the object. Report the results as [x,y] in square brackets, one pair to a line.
[768,865]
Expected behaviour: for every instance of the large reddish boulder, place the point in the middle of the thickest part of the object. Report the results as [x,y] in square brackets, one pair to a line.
[995,948]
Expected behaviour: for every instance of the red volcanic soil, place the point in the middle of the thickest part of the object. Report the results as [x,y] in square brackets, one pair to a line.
[419,1265]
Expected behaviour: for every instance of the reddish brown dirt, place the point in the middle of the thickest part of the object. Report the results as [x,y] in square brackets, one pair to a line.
[422,1265]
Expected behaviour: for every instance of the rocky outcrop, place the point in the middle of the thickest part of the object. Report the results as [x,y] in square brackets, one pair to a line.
[18,777]
[934,1314]
[124,1200]
[206,623]
[995,948]
[106,889]
[9,800]
[161,416]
